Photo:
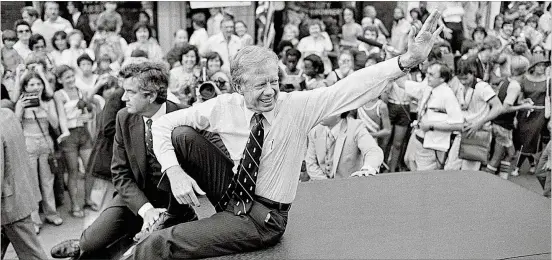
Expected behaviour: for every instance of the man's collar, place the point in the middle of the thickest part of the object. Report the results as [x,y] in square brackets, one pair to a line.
[160,112]
[269,116]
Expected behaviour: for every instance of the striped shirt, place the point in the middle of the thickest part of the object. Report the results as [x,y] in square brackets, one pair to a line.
[286,127]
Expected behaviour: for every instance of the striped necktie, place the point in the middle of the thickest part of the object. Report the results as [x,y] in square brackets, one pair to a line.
[242,187]
[149,138]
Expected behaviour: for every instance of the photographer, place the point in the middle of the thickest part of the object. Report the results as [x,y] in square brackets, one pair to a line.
[75,141]
[36,113]
[34,63]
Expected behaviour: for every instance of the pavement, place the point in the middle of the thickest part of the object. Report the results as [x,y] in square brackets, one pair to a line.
[72,227]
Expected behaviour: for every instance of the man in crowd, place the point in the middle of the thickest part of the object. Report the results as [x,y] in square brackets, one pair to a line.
[138,205]
[31,16]
[266,138]
[225,43]
[80,20]
[480,105]
[439,115]
[199,36]
[52,23]
[341,147]
[23,30]
[20,194]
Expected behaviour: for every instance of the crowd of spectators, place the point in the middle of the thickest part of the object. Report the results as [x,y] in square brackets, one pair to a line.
[58,76]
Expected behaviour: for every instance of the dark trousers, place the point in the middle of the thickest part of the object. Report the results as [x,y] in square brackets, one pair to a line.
[223,233]
[25,242]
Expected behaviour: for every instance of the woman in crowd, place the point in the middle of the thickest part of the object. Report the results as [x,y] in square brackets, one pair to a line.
[145,42]
[350,29]
[314,72]
[416,15]
[497,25]
[214,63]
[37,113]
[182,81]
[144,17]
[478,35]
[346,68]
[180,41]
[69,56]
[37,44]
[75,141]
[241,32]
[317,43]
[531,123]
[59,42]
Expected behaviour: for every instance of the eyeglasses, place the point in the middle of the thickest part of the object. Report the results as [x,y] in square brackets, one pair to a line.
[24,31]
[538,51]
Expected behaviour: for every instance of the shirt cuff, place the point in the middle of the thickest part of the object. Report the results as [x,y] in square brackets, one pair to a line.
[369,169]
[142,211]
[167,160]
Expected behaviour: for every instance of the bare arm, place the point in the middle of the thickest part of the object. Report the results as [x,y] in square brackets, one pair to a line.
[60,100]
[386,123]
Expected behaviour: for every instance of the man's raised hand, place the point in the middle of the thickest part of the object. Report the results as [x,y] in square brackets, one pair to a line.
[420,43]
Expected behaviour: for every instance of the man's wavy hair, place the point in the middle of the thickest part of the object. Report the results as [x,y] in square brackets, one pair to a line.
[150,76]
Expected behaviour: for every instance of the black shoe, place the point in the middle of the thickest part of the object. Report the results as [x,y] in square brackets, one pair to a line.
[65,249]
[165,220]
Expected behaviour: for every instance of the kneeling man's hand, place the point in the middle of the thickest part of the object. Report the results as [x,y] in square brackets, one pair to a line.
[183,187]
[364,172]
[151,216]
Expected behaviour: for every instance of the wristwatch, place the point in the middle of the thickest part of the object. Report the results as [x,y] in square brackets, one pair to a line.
[401,67]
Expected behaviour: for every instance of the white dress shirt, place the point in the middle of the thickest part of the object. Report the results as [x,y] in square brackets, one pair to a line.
[217,43]
[162,111]
[75,17]
[199,39]
[49,28]
[22,49]
[286,128]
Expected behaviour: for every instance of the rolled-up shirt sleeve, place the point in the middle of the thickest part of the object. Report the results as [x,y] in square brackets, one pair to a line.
[347,94]
[197,116]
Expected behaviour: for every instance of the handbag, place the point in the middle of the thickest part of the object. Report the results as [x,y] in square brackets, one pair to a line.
[547,100]
[476,147]
[55,159]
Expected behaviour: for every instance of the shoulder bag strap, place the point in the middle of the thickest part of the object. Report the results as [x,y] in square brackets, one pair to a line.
[41,130]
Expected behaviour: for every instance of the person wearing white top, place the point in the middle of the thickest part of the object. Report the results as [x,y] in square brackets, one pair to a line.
[439,114]
[53,24]
[199,36]
[318,43]
[480,104]
[188,161]
[23,30]
[225,43]
[214,23]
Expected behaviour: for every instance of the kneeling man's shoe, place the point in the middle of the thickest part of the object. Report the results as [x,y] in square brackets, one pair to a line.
[165,220]
[67,248]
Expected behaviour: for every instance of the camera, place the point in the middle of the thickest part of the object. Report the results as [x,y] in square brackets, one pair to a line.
[207,90]
[33,99]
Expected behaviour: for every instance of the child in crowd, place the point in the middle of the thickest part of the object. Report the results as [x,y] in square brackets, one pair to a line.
[292,77]
[10,57]
[86,79]
[111,13]
[69,57]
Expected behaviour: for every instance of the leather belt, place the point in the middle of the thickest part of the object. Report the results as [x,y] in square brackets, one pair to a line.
[273,204]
